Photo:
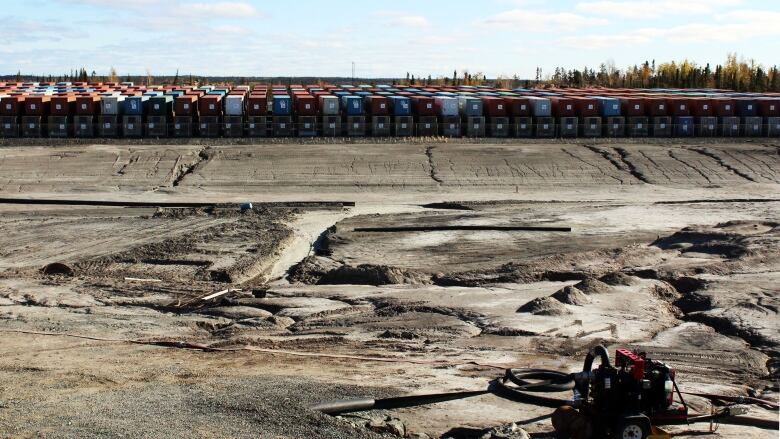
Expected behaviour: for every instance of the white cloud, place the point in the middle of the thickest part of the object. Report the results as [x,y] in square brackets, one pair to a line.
[402,19]
[730,27]
[651,9]
[177,8]
[223,9]
[538,21]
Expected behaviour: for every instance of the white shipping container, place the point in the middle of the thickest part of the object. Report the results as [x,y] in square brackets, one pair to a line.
[234,105]
[448,106]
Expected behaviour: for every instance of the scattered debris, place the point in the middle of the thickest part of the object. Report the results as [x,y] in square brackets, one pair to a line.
[136,279]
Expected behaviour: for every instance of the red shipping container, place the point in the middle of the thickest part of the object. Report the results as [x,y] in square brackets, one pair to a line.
[517,107]
[36,105]
[305,105]
[62,105]
[210,105]
[723,107]
[701,107]
[769,107]
[377,106]
[563,107]
[88,105]
[12,105]
[256,105]
[679,106]
[587,107]
[632,107]
[186,105]
[493,106]
[656,106]
[423,105]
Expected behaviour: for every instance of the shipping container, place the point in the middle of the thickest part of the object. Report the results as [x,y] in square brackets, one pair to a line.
[563,107]
[234,105]
[305,105]
[352,106]
[134,106]
[723,107]
[160,105]
[634,106]
[517,106]
[446,106]
[329,105]
[12,106]
[769,106]
[186,106]
[701,107]
[586,106]
[423,106]
[257,105]
[746,107]
[656,106]
[87,105]
[378,106]
[470,107]
[608,106]
[494,107]
[400,105]
[37,106]
[679,107]
[112,105]
[541,107]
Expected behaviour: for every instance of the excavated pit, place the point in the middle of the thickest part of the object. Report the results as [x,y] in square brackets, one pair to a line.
[422,280]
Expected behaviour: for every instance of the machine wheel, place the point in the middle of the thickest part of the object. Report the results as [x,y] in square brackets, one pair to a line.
[634,427]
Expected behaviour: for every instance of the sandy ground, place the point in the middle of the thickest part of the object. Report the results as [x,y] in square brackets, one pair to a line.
[674,249]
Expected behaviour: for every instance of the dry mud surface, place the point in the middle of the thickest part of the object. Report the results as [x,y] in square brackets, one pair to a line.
[217,322]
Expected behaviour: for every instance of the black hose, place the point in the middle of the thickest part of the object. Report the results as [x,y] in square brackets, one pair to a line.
[363,404]
[554,381]
[523,390]
[599,350]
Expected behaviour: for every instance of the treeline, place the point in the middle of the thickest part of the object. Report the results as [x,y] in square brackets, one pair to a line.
[735,74]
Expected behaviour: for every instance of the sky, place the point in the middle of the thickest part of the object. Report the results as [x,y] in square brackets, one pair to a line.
[382,38]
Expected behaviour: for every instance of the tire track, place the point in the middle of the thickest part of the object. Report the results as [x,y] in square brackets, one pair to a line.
[719,160]
[631,167]
[432,166]
[686,164]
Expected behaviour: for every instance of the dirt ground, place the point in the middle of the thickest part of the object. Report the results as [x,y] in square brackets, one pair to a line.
[222,321]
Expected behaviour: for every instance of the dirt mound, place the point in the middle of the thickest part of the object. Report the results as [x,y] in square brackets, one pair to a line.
[705,240]
[618,278]
[311,269]
[57,269]
[572,296]
[367,274]
[666,291]
[545,306]
[593,286]
[403,335]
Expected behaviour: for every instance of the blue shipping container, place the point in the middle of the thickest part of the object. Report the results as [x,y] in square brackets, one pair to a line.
[352,105]
[400,105]
[683,126]
[134,105]
[282,105]
[608,107]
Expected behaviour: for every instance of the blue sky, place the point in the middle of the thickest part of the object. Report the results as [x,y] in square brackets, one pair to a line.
[424,37]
